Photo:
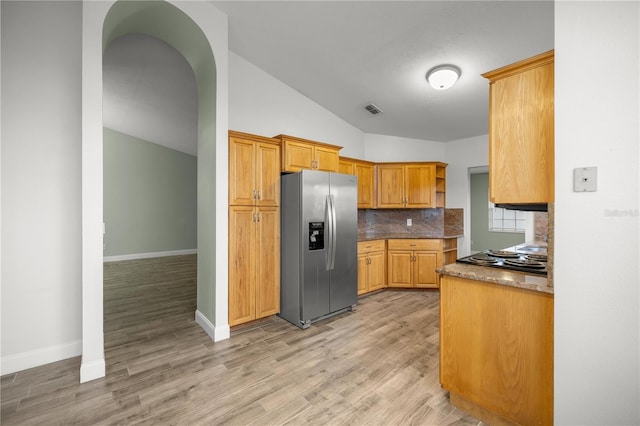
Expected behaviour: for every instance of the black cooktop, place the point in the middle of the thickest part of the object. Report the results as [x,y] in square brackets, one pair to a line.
[511,260]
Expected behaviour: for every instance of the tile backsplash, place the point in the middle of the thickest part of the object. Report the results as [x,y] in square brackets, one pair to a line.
[434,223]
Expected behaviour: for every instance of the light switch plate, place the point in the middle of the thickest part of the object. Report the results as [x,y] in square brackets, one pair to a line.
[409,222]
[585,179]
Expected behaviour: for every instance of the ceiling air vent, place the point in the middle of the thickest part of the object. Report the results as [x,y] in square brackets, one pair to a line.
[373,109]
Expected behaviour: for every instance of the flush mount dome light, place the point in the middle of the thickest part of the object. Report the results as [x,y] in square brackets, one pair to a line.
[443,76]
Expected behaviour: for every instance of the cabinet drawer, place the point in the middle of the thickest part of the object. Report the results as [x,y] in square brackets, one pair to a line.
[370,246]
[415,244]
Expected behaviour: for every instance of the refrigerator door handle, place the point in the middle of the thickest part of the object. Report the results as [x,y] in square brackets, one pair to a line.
[330,212]
[333,232]
[327,219]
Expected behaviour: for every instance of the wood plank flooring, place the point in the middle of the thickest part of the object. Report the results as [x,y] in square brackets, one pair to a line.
[377,365]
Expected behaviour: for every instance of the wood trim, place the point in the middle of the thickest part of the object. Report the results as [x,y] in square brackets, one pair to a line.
[520,66]
[411,163]
[301,140]
[256,138]
[356,160]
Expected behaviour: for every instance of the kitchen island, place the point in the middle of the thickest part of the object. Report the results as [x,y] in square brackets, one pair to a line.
[496,343]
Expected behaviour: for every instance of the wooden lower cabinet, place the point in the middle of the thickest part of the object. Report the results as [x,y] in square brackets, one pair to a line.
[371,266]
[496,351]
[254,263]
[413,262]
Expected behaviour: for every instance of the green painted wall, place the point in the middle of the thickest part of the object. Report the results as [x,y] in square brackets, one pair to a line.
[481,237]
[150,197]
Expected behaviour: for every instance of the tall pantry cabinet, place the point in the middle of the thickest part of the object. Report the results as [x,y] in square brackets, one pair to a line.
[254,227]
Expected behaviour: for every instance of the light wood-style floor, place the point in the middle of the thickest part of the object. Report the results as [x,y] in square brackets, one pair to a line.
[375,366]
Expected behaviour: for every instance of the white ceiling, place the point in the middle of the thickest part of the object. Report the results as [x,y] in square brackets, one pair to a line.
[150,92]
[346,54]
[342,55]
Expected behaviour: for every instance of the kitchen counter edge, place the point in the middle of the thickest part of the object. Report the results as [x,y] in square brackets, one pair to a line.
[372,237]
[497,276]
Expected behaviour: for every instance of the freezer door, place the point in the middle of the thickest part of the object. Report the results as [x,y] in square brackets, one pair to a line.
[344,249]
[315,292]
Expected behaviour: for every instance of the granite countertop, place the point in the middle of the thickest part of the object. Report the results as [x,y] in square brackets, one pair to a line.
[369,236]
[497,276]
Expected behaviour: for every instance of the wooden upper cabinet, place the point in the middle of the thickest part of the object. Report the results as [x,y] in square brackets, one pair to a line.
[366,184]
[390,186]
[420,187]
[300,154]
[327,158]
[407,185]
[364,170]
[346,166]
[254,170]
[521,131]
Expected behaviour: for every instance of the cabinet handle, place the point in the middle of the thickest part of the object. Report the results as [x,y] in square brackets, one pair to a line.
[258,217]
[258,193]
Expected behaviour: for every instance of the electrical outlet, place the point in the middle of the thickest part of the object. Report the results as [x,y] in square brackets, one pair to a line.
[409,222]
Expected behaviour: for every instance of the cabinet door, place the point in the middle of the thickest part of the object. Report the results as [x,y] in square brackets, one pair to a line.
[420,185]
[362,273]
[424,269]
[242,255]
[241,172]
[376,276]
[399,264]
[326,159]
[297,156]
[346,167]
[391,186]
[521,138]
[267,246]
[267,172]
[364,172]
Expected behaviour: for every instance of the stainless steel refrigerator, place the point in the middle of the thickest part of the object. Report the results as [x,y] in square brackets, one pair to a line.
[319,237]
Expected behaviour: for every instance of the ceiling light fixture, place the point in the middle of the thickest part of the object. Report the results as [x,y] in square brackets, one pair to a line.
[443,76]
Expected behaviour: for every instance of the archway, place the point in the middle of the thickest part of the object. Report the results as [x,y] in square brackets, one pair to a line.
[189,27]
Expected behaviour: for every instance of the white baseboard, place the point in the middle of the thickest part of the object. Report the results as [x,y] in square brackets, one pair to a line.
[216,333]
[148,255]
[92,370]
[38,357]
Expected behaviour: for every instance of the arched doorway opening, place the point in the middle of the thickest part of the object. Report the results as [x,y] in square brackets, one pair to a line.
[188,27]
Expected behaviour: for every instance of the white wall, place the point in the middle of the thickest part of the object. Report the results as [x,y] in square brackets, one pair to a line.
[41,177]
[597,330]
[263,105]
[461,155]
[384,148]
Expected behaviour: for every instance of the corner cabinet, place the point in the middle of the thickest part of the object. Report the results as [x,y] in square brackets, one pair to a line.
[521,131]
[254,227]
[299,154]
[410,185]
[364,171]
[371,266]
